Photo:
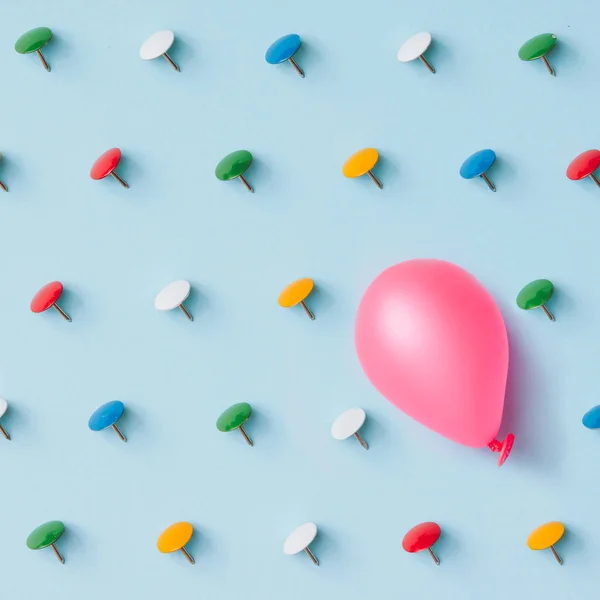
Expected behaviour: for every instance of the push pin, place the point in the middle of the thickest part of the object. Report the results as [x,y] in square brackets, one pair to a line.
[545,536]
[476,166]
[300,539]
[158,45]
[234,165]
[297,293]
[173,296]
[423,537]
[47,535]
[361,163]
[284,49]
[33,41]
[3,409]
[538,47]
[107,416]
[234,418]
[535,295]
[2,184]
[106,166]
[348,424]
[175,538]
[47,298]
[584,166]
[591,419]
[414,47]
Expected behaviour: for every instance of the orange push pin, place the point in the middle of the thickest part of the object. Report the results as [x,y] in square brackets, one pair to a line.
[545,536]
[175,538]
[297,293]
[361,163]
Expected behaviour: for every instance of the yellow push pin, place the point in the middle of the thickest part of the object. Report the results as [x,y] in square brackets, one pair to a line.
[297,293]
[361,163]
[545,536]
[175,538]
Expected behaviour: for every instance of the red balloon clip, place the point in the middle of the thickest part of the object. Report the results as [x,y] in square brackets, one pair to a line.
[584,165]
[106,166]
[422,537]
[47,297]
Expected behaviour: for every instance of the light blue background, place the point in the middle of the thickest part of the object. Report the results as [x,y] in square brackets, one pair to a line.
[114,249]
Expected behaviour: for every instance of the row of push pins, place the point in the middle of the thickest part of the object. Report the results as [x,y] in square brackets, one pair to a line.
[176,537]
[285,48]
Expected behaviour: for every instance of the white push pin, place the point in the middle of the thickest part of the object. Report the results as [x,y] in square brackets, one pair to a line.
[3,409]
[300,539]
[348,424]
[173,296]
[157,45]
[414,47]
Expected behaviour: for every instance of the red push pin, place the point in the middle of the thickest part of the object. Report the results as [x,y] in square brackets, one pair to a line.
[106,166]
[47,298]
[422,537]
[584,166]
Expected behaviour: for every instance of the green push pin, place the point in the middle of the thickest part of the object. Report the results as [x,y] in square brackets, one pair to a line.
[538,47]
[33,41]
[47,535]
[234,165]
[234,418]
[535,295]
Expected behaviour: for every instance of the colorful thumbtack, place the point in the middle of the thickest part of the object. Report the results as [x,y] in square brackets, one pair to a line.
[47,298]
[47,535]
[414,47]
[538,47]
[2,184]
[33,41]
[535,295]
[476,166]
[545,536]
[361,163]
[348,424]
[584,165]
[300,539]
[158,45]
[297,293]
[107,416]
[284,49]
[234,418]
[175,538]
[591,419]
[3,409]
[106,166]
[234,165]
[423,537]
[173,296]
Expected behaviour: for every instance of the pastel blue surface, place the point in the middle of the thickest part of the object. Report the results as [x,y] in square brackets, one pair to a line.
[477,164]
[591,419]
[283,48]
[105,416]
[114,249]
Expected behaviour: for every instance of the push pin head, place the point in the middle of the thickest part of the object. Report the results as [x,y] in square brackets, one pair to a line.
[234,418]
[234,165]
[3,409]
[591,419]
[415,47]
[173,296]
[535,295]
[361,163]
[348,424]
[47,535]
[107,416]
[300,539]
[297,293]
[584,166]
[2,184]
[545,536]
[175,538]
[158,45]
[476,166]
[33,41]
[538,47]
[47,298]
[284,49]
[106,165]
[423,537]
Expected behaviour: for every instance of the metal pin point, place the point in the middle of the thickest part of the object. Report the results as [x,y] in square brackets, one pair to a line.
[296,293]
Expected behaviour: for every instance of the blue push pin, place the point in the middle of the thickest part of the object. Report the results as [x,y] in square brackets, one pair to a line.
[107,416]
[591,419]
[284,49]
[476,166]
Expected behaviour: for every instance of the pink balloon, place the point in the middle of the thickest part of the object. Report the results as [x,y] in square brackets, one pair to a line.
[431,339]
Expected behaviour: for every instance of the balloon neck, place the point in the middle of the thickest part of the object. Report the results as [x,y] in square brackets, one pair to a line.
[503,448]
[495,446]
